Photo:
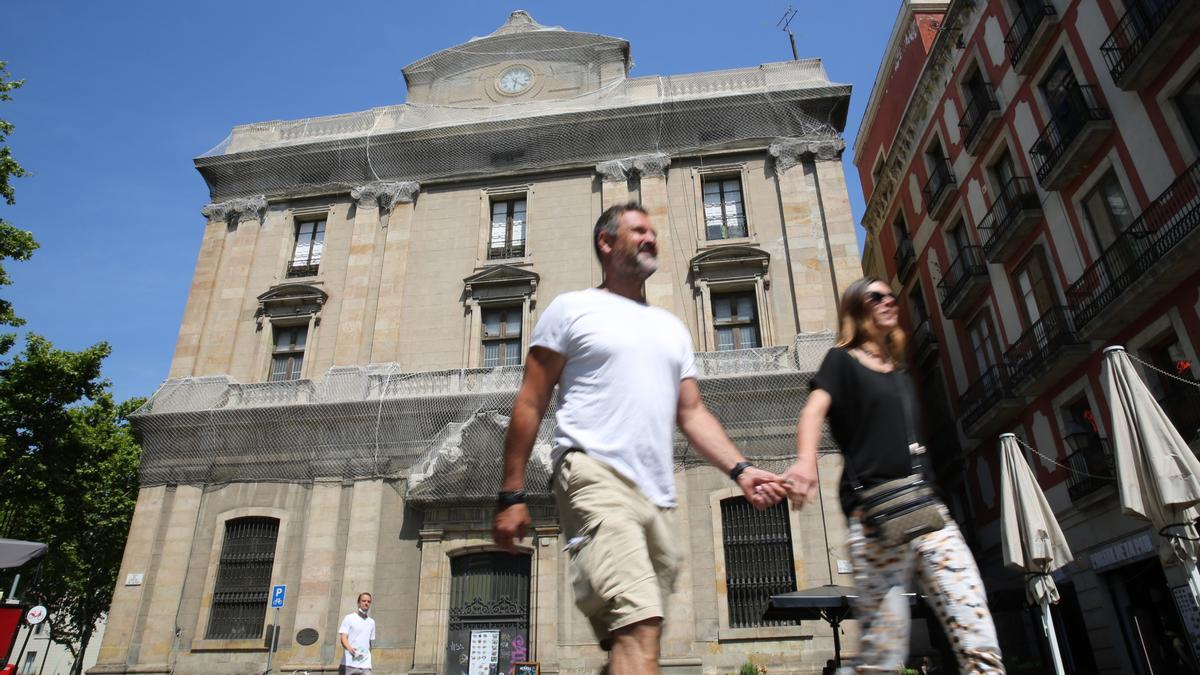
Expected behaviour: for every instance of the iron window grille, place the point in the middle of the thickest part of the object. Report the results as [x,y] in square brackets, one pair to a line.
[287,356]
[1016,196]
[507,238]
[941,179]
[502,336]
[239,600]
[735,321]
[1072,109]
[724,209]
[306,254]
[758,560]
[489,592]
[980,102]
[1091,468]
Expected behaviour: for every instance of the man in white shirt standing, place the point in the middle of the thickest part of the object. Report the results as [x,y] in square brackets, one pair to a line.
[626,377]
[356,633]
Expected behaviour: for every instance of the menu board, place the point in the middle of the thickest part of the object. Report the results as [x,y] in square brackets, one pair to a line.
[485,652]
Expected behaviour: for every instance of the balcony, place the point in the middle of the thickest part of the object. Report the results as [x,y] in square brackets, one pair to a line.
[1012,217]
[1146,38]
[1045,352]
[1091,470]
[1030,31]
[1182,406]
[906,260]
[963,282]
[989,403]
[1153,255]
[980,116]
[924,343]
[1069,139]
[939,188]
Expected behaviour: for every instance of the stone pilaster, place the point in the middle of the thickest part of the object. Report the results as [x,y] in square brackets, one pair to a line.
[433,604]
[362,542]
[614,182]
[200,299]
[383,332]
[175,551]
[244,218]
[660,287]
[321,553]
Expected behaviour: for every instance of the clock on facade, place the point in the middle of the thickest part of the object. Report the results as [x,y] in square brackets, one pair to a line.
[515,80]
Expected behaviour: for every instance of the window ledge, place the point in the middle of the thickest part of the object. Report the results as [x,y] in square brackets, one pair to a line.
[762,632]
[752,240]
[205,645]
[523,261]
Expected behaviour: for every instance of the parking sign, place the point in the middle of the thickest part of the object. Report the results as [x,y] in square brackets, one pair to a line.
[277,593]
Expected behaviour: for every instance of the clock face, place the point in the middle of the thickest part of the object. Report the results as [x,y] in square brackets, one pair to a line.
[515,80]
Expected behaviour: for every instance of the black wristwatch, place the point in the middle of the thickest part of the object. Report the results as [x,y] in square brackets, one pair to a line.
[507,498]
[736,471]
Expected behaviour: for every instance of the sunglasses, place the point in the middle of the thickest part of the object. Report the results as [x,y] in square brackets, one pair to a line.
[875,297]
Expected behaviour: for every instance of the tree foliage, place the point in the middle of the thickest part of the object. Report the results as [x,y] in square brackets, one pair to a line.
[15,243]
[68,460]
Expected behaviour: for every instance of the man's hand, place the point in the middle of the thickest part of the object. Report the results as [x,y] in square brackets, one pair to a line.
[510,525]
[801,482]
[762,488]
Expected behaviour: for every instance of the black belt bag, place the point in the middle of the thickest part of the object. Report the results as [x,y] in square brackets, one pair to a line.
[902,509]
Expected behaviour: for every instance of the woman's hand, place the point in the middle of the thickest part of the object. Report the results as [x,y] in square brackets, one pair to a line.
[801,482]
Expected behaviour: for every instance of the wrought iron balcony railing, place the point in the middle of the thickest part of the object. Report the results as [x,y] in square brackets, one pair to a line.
[301,270]
[905,258]
[981,106]
[1133,32]
[970,265]
[1091,469]
[941,180]
[1078,107]
[1037,348]
[1026,22]
[1016,198]
[983,394]
[513,250]
[1166,221]
[924,341]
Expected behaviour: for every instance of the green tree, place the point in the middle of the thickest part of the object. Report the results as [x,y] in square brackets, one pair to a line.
[15,243]
[70,458]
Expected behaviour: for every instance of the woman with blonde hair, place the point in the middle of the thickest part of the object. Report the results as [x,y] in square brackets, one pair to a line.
[899,528]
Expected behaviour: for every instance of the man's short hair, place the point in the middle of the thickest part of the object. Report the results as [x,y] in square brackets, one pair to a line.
[366,594]
[610,221]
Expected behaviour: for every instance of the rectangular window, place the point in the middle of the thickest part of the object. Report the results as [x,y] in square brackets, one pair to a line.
[507,239]
[959,240]
[901,228]
[28,666]
[1003,170]
[1061,89]
[735,320]
[984,342]
[502,336]
[1106,210]
[758,560]
[239,600]
[306,254]
[724,210]
[1188,102]
[1036,296]
[287,355]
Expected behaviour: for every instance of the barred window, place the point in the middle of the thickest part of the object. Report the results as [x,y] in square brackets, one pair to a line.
[758,560]
[239,601]
[287,356]
[724,210]
[502,336]
[735,320]
[306,254]
[508,229]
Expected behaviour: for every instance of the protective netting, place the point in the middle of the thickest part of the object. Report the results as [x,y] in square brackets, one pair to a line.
[443,430]
[584,111]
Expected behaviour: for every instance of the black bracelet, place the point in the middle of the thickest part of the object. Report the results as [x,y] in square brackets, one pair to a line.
[736,471]
[506,498]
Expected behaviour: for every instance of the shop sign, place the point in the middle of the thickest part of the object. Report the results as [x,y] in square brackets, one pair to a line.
[1135,548]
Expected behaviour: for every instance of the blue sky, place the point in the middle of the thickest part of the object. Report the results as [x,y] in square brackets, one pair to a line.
[119,98]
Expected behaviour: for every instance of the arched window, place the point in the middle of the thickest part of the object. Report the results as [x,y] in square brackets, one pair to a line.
[489,611]
[239,601]
[758,560]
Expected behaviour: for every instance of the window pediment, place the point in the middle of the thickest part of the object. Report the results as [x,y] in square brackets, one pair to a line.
[501,281]
[288,300]
[728,262]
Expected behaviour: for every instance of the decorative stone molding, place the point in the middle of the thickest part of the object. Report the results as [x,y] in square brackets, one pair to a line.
[731,262]
[789,152]
[290,300]
[654,164]
[501,281]
[614,170]
[385,194]
[234,211]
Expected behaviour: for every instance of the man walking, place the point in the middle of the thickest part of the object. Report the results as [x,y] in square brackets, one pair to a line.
[626,377]
[356,633]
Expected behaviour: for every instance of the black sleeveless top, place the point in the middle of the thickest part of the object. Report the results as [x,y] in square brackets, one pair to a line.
[867,420]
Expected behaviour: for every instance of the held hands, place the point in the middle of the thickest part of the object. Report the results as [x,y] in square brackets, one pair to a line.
[510,525]
[761,488]
[801,482]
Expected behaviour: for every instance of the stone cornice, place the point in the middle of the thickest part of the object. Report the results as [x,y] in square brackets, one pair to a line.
[613,171]
[650,164]
[654,164]
[788,152]
[385,194]
[930,87]
[234,211]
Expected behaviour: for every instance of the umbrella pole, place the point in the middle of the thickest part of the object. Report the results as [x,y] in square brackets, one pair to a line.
[1048,627]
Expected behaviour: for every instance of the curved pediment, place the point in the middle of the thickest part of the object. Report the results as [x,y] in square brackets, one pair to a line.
[286,300]
[730,257]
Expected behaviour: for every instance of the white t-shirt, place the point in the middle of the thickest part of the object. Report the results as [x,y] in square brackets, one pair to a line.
[619,388]
[359,632]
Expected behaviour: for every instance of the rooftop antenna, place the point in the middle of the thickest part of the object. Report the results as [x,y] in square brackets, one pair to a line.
[785,24]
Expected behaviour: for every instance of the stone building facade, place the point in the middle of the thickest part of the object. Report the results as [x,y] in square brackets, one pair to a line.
[363,295]
[1034,200]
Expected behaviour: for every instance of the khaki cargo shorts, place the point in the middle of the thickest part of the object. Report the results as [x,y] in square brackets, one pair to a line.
[624,557]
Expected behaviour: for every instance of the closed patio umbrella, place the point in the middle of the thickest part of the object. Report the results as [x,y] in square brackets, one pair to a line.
[1031,539]
[1157,473]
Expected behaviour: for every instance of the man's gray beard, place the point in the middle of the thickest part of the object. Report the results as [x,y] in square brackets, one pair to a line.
[642,268]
